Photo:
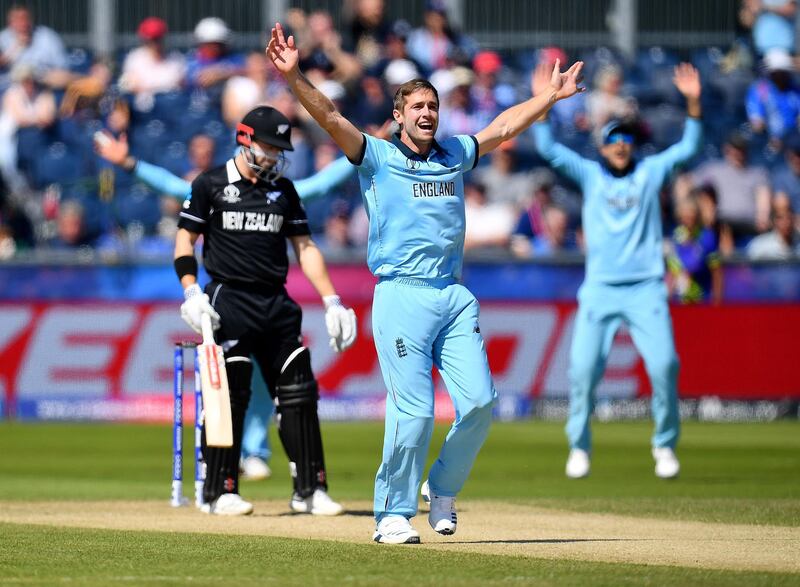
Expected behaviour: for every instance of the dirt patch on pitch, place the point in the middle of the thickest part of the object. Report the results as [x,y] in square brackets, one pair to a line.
[484,527]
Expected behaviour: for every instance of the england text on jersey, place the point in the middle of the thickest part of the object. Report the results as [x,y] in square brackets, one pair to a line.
[434,189]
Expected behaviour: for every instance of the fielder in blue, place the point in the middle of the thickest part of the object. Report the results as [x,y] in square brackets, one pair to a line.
[412,188]
[624,271]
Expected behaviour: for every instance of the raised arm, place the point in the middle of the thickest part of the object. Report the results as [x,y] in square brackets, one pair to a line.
[116,151]
[285,57]
[516,119]
[687,80]
[328,178]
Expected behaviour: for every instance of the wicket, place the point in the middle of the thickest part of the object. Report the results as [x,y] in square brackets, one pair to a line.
[177,499]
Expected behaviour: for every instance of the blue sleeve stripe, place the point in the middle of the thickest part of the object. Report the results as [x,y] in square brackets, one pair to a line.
[475,162]
[363,153]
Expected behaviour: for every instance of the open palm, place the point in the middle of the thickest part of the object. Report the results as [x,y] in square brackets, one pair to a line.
[281,51]
[566,84]
[687,80]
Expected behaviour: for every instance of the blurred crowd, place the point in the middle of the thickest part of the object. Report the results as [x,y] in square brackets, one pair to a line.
[177,110]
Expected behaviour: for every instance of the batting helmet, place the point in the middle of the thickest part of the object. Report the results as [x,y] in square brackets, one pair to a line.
[267,125]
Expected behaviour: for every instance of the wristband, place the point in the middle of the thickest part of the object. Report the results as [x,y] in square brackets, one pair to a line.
[185,265]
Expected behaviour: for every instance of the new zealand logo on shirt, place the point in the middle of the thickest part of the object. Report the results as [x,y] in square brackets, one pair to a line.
[272,196]
[231,194]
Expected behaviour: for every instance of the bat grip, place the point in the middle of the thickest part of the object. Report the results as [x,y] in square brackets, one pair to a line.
[208,330]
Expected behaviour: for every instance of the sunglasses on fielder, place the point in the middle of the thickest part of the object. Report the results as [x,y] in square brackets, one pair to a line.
[619,138]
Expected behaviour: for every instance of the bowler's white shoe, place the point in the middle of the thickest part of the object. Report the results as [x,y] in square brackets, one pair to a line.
[318,503]
[395,530]
[667,465]
[442,517]
[228,504]
[254,468]
[578,464]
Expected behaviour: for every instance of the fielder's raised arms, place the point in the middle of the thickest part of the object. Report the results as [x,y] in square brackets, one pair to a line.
[214,384]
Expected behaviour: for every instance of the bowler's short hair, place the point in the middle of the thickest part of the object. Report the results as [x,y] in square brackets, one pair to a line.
[409,88]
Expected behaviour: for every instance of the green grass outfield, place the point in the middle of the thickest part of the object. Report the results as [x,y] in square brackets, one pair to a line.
[732,473]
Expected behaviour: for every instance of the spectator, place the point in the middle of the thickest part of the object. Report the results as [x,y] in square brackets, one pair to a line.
[212,62]
[26,104]
[86,93]
[458,115]
[783,241]
[433,44]
[201,156]
[70,227]
[706,197]
[786,179]
[35,46]
[321,46]
[488,225]
[554,237]
[369,32]
[606,100]
[242,93]
[504,183]
[743,190]
[773,102]
[772,22]
[373,103]
[488,95]
[396,48]
[148,69]
[693,258]
[531,223]
[399,72]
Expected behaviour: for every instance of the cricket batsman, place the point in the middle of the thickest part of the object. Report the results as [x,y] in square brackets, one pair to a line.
[624,270]
[413,191]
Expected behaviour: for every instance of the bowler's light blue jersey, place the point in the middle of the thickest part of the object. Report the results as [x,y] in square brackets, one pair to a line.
[415,206]
[621,215]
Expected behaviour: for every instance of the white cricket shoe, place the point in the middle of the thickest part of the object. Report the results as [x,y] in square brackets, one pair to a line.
[667,465]
[254,468]
[318,503]
[395,530]
[578,464]
[442,517]
[228,504]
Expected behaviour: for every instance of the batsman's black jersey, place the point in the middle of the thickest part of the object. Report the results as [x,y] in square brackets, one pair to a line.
[244,226]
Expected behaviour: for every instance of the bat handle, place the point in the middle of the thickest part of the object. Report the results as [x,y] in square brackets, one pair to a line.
[208,330]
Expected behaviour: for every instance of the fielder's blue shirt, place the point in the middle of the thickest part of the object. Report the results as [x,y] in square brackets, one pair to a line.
[415,206]
[621,215]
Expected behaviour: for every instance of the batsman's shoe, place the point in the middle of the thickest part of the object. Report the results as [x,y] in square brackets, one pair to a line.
[254,468]
[318,503]
[578,464]
[395,530]
[667,465]
[228,504]
[442,517]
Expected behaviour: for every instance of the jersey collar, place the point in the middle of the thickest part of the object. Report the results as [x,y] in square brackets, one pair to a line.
[233,172]
[411,154]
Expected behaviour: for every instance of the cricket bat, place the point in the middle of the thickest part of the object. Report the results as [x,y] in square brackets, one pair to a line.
[214,385]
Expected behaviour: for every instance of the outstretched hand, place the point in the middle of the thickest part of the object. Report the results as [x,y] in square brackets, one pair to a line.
[687,80]
[282,52]
[566,83]
[112,150]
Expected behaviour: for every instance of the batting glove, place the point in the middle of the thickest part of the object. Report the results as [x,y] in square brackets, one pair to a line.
[341,323]
[196,304]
